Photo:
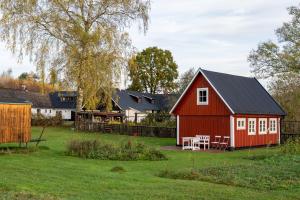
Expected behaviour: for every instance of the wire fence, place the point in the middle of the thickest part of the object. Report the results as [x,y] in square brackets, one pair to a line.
[289,130]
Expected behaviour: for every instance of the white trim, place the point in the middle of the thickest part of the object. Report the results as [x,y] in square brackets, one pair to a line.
[116,103]
[266,126]
[276,125]
[252,120]
[177,102]
[240,127]
[181,96]
[232,132]
[177,130]
[279,129]
[207,96]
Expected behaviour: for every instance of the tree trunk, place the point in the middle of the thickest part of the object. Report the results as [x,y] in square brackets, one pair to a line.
[79,99]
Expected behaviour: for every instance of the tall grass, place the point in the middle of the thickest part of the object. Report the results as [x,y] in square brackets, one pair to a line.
[94,149]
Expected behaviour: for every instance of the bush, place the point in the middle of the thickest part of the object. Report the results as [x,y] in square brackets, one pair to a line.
[292,147]
[118,169]
[41,120]
[93,149]
[162,119]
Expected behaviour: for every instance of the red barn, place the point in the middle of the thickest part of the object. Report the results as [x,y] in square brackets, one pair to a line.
[228,105]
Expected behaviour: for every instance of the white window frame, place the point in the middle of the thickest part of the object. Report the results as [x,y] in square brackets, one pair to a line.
[252,120]
[238,127]
[266,126]
[207,95]
[276,126]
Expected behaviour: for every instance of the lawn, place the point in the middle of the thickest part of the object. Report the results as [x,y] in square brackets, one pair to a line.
[49,174]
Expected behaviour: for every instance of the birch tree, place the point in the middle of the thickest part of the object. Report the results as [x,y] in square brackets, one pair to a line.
[86,40]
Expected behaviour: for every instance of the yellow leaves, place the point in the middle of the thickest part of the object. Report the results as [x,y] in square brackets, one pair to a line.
[85,39]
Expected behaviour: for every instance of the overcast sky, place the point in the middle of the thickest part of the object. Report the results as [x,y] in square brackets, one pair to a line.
[212,34]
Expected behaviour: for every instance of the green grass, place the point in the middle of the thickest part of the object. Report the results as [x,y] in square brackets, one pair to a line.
[49,174]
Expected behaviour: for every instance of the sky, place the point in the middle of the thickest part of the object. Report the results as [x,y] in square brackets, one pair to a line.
[212,34]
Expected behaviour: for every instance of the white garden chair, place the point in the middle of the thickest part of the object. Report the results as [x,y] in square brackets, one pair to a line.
[201,140]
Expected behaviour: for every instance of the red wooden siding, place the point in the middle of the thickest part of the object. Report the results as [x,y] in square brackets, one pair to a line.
[188,104]
[190,126]
[242,139]
[212,119]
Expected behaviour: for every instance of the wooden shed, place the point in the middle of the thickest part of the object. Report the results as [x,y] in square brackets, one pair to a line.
[15,120]
[228,105]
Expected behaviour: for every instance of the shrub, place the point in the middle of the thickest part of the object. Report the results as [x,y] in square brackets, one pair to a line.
[118,169]
[161,119]
[93,149]
[292,147]
[41,120]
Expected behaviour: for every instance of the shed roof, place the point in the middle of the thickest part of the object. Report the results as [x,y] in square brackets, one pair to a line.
[242,95]
[8,100]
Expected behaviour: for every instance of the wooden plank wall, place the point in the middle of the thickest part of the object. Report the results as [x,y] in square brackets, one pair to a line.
[188,104]
[15,123]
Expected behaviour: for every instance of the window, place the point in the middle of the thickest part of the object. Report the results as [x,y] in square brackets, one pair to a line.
[202,96]
[262,126]
[251,126]
[273,125]
[241,124]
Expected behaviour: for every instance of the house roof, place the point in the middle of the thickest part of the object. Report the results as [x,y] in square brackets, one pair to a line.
[17,96]
[56,100]
[127,99]
[242,95]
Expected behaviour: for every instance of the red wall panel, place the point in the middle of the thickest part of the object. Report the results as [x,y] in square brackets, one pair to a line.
[242,139]
[188,104]
[190,126]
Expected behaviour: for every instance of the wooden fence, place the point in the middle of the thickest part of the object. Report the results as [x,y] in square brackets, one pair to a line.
[125,129]
[289,130]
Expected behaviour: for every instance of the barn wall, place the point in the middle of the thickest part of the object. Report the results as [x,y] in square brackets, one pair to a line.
[188,104]
[15,123]
[189,126]
[242,139]
[212,119]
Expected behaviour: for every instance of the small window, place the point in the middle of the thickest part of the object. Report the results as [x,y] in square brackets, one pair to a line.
[241,123]
[251,126]
[262,126]
[202,96]
[273,125]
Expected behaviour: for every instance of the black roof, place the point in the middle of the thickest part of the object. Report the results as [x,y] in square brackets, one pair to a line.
[56,99]
[127,99]
[243,95]
[21,96]
[8,100]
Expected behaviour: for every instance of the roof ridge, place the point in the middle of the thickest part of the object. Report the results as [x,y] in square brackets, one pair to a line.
[222,73]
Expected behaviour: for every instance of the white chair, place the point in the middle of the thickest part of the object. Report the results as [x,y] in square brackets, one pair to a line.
[201,140]
[187,143]
[196,143]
